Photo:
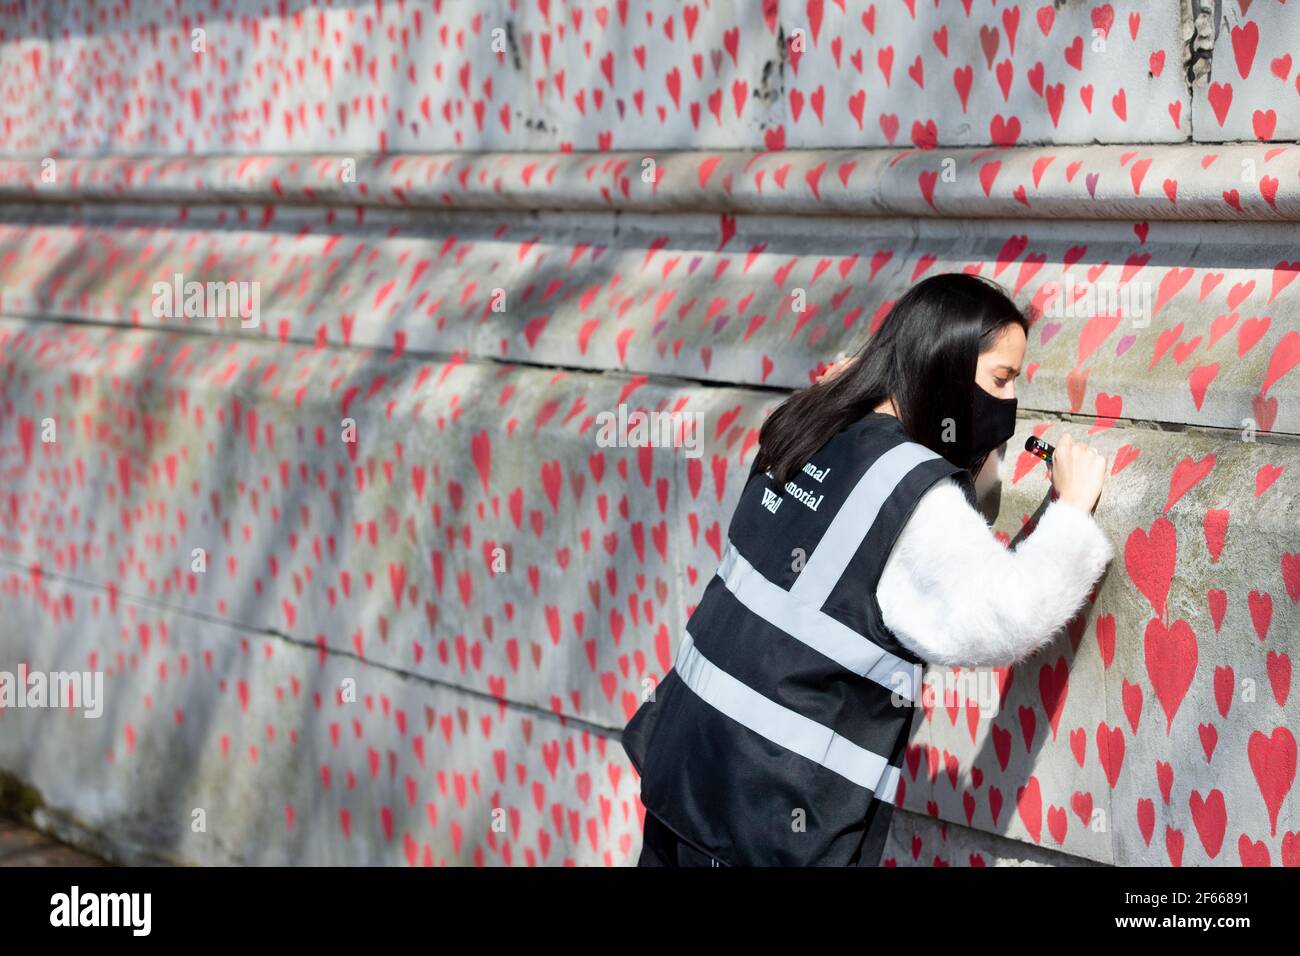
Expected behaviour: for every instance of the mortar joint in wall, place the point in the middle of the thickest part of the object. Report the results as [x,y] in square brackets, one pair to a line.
[1199,30]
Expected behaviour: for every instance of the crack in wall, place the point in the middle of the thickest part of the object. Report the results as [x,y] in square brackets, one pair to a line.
[568,721]
[1286,439]
[1198,32]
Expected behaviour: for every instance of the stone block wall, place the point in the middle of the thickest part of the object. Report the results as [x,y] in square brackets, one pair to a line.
[476,226]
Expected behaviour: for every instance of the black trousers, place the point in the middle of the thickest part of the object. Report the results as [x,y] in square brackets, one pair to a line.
[660,846]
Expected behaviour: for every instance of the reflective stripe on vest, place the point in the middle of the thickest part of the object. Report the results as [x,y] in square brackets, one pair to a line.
[741,732]
[781,725]
[842,539]
[888,788]
[806,623]
[798,613]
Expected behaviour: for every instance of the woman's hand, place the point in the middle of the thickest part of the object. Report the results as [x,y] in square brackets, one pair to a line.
[835,368]
[1077,473]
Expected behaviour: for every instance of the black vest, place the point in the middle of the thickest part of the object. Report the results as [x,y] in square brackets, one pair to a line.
[777,737]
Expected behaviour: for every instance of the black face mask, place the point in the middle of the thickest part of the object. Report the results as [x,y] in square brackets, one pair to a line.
[993,422]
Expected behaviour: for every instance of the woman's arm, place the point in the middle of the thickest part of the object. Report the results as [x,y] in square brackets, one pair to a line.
[954,595]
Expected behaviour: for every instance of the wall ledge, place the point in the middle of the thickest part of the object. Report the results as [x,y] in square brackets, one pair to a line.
[1242,182]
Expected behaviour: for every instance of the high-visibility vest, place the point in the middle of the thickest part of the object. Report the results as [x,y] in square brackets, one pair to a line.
[777,737]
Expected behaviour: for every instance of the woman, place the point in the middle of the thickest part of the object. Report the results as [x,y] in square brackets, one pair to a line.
[855,556]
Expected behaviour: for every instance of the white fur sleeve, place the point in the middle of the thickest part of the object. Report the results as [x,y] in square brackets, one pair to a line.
[953,594]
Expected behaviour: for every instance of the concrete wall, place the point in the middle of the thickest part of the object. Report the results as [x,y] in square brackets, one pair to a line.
[651,190]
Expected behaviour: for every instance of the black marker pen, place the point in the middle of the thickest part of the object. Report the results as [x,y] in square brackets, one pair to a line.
[1039,448]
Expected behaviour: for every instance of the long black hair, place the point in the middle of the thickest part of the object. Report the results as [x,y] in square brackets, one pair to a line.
[924,354]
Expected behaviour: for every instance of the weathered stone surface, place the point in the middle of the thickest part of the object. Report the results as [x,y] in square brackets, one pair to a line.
[231,457]
[251,730]
[917,840]
[1150,323]
[493,75]
[1248,75]
[605,549]
[382,228]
